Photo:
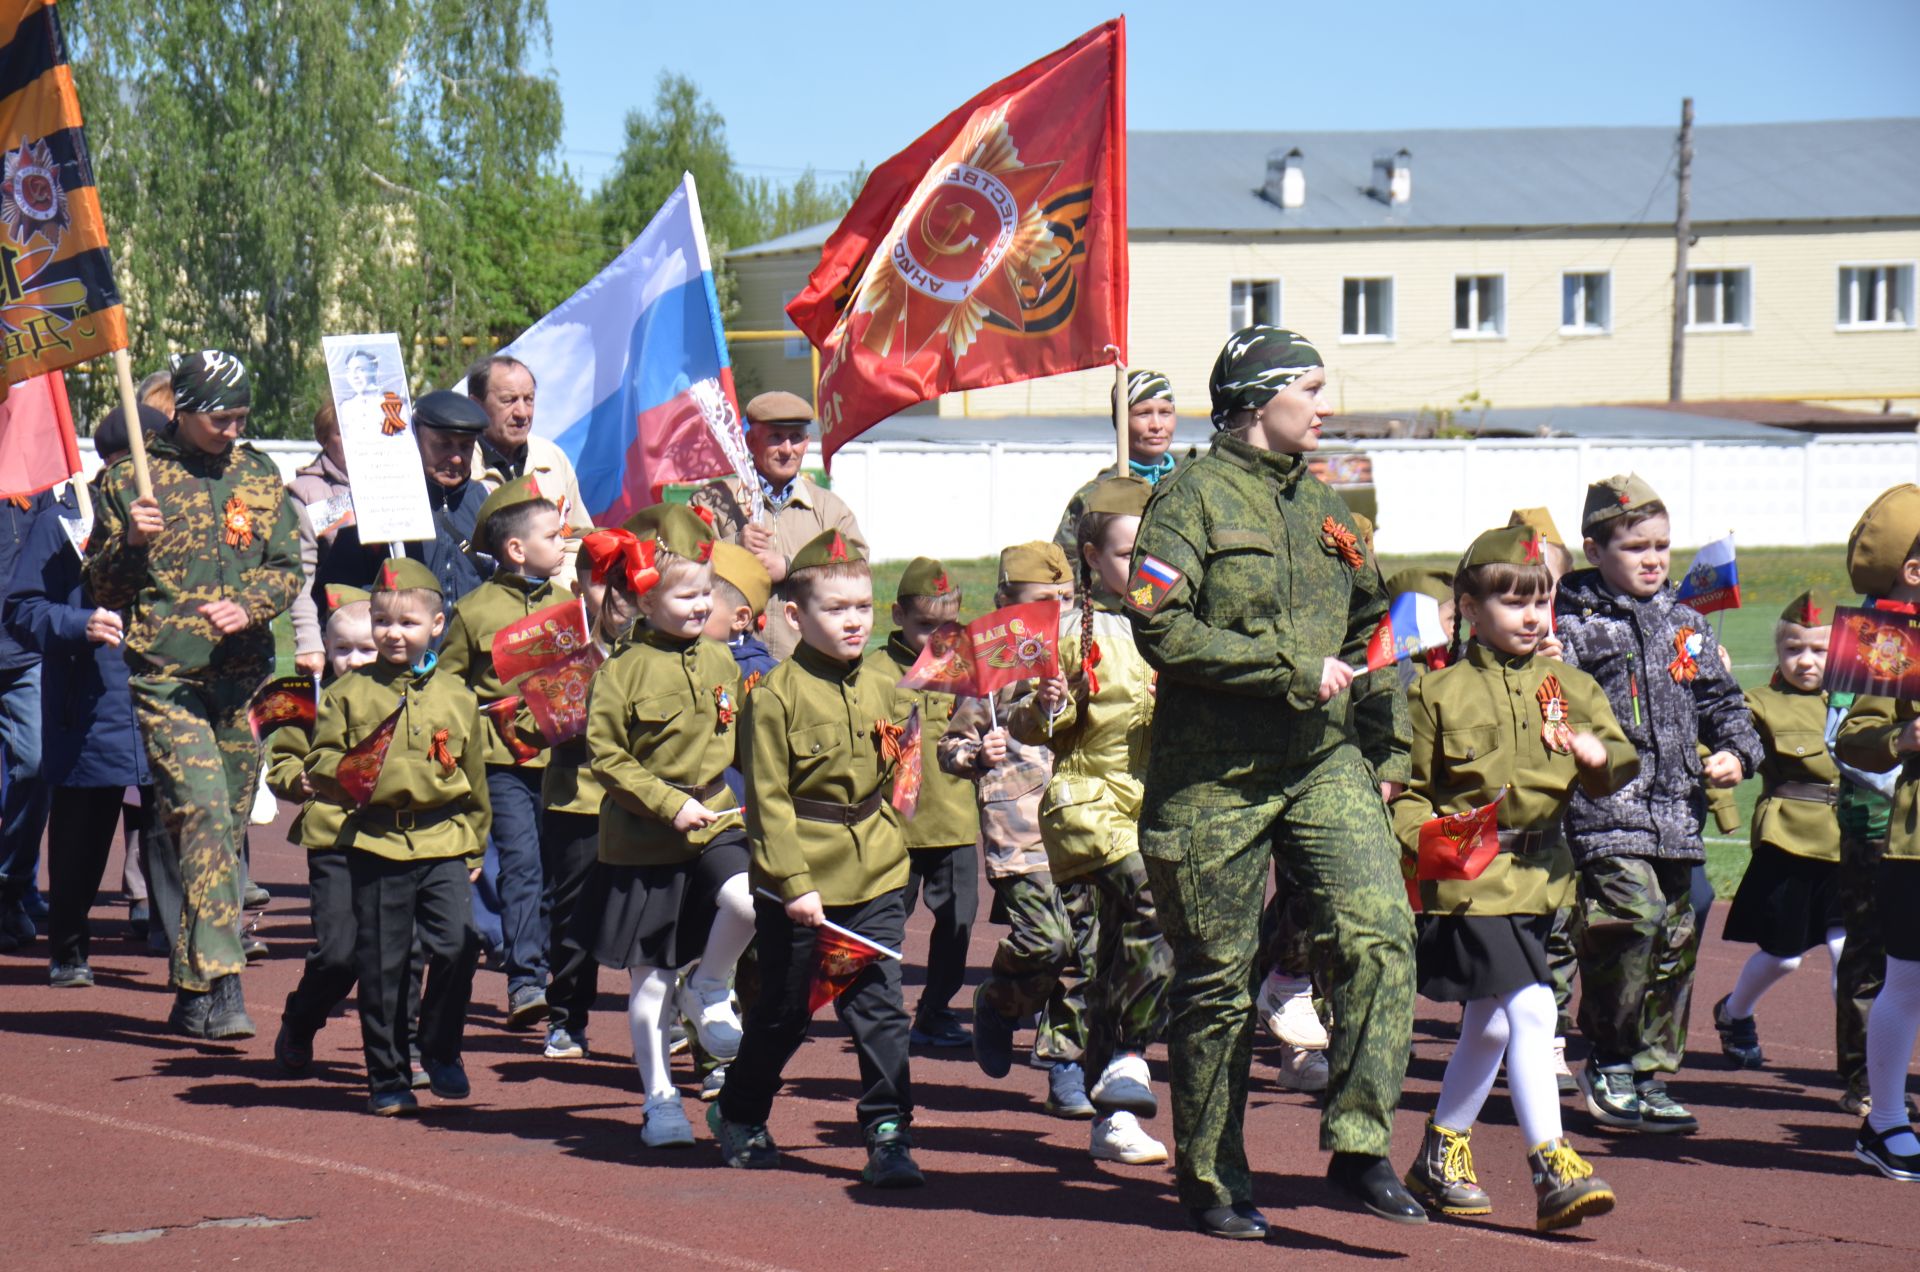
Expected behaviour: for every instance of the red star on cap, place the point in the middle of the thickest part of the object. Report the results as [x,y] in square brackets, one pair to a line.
[838,550]
[940,584]
[1624,499]
[388,578]
[1532,549]
[533,487]
[1813,615]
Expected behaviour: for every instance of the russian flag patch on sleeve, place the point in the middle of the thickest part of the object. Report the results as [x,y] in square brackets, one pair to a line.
[1152,581]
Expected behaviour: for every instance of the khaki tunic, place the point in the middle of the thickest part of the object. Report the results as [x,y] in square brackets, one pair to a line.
[1867,741]
[466,650]
[946,816]
[1792,724]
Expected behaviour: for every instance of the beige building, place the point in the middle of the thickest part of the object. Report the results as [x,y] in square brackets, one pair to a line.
[1531,267]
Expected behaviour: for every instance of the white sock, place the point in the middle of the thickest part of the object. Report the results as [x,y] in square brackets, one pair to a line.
[1836,946]
[1891,1028]
[1531,1082]
[647,1018]
[728,938]
[1762,972]
[1473,1064]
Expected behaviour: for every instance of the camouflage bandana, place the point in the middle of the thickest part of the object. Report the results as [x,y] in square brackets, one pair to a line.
[210,380]
[1148,386]
[1255,365]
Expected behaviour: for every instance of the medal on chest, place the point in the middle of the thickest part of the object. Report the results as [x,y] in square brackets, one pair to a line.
[723,707]
[1554,729]
[1686,653]
[238,526]
[1343,543]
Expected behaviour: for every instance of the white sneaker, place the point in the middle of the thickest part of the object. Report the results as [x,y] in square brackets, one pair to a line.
[1118,1137]
[265,806]
[1301,1070]
[1562,1075]
[710,1012]
[1125,1085]
[667,1125]
[1286,1009]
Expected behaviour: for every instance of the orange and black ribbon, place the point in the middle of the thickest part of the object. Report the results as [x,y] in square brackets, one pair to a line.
[239,526]
[1683,668]
[1343,543]
[441,753]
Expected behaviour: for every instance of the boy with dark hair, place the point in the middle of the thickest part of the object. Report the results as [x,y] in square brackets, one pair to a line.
[1635,849]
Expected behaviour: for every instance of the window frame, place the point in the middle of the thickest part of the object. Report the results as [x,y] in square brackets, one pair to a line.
[796,346]
[1908,267]
[1500,326]
[1279,301]
[1390,331]
[1747,324]
[1606,303]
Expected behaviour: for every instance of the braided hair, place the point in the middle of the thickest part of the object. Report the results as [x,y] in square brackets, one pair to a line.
[1091,531]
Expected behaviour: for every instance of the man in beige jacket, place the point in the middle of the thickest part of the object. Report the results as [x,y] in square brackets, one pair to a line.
[503,386]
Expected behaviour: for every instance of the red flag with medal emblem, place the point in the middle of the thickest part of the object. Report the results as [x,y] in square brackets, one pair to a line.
[992,249]
[1460,845]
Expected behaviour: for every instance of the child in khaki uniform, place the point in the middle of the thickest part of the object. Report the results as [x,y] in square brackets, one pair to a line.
[415,846]
[944,835]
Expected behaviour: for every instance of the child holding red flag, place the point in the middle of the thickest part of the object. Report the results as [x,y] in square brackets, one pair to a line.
[414,827]
[1482,816]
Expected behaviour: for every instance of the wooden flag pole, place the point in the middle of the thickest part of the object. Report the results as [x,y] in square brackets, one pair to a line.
[1122,452]
[130,409]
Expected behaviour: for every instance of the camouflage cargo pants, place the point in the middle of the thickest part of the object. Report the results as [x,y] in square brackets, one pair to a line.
[1132,963]
[1638,942]
[1208,866]
[1286,935]
[1563,962]
[204,763]
[1041,964]
[1863,963]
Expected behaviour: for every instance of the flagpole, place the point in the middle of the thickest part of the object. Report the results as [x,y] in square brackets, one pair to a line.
[847,932]
[130,408]
[1122,452]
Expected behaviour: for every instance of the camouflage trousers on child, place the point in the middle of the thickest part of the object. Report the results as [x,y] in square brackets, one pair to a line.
[1563,962]
[1863,963]
[205,763]
[1638,942]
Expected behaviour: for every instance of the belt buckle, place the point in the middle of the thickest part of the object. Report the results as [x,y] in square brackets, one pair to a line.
[403,819]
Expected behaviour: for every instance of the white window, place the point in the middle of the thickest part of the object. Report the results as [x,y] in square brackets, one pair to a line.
[1366,309]
[1479,306]
[1252,302]
[1586,304]
[1876,296]
[1719,299]
[793,346]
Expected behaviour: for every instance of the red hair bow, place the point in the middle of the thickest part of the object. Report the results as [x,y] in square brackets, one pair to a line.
[633,557]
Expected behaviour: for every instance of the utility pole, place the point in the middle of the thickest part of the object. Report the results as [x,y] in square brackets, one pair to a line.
[1682,233]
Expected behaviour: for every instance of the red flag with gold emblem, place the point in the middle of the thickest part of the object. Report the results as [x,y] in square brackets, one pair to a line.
[993,249]
[1460,845]
[541,639]
[360,767]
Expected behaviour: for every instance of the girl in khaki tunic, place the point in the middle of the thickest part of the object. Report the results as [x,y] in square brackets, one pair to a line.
[1500,723]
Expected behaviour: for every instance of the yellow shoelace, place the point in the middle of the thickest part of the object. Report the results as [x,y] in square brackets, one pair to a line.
[1565,1163]
[1457,1165]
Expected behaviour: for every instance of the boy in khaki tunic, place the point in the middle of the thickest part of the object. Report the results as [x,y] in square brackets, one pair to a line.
[944,835]
[415,845]
[824,840]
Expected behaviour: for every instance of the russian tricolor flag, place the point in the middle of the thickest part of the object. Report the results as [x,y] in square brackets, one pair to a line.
[634,381]
[1713,580]
[1412,625]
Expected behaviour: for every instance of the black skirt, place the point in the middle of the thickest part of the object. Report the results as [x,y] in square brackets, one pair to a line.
[655,916]
[1462,957]
[1896,907]
[1784,904]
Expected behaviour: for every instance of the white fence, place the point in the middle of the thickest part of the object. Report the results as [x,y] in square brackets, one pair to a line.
[964,501]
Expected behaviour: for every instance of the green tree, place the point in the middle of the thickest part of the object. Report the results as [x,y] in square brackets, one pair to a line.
[807,201]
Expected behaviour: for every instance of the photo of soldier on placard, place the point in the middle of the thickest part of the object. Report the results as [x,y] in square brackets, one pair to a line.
[368,380]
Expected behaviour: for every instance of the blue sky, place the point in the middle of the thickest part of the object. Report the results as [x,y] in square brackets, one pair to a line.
[837,83]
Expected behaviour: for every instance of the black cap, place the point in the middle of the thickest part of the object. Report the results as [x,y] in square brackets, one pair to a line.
[449,411]
[110,434]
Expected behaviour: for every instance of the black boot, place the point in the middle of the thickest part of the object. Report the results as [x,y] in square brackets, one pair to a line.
[1238,1222]
[227,1015]
[1370,1181]
[190,1010]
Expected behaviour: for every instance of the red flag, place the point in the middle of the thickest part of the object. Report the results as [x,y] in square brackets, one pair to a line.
[911,770]
[542,637]
[992,249]
[1019,642]
[945,663]
[1460,845]
[839,956]
[37,446]
[556,695]
[291,700]
[502,711]
[359,770]
[1874,652]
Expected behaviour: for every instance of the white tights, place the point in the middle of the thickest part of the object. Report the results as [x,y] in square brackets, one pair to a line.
[1892,1026]
[1518,1026]
[647,1018]
[1763,971]
[728,938]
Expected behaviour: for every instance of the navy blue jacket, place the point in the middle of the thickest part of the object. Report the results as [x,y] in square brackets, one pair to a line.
[88,733]
[15,523]
[350,562]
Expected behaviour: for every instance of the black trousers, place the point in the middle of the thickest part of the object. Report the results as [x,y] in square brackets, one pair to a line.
[569,845]
[777,1023]
[948,880]
[80,829]
[332,964]
[391,901]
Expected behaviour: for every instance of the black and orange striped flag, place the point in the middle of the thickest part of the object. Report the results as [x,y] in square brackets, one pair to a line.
[58,302]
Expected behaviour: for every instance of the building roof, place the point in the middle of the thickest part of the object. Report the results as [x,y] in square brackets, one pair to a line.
[1495,178]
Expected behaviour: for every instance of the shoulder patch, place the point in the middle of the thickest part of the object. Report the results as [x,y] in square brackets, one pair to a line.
[1151,583]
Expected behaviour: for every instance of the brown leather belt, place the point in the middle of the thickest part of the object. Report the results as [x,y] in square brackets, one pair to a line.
[1527,841]
[820,810]
[703,793]
[1811,792]
[380,817]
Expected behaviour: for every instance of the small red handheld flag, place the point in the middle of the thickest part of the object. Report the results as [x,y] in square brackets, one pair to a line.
[289,700]
[911,770]
[556,695]
[359,770]
[839,956]
[1019,642]
[1460,845]
[541,638]
[502,712]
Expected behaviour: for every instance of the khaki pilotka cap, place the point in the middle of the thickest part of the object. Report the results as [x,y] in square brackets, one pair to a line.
[1426,581]
[339,596]
[1615,497]
[678,528]
[1812,608]
[1509,545]
[1119,496]
[1036,562]
[510,494]
[924,577]
[735,565]
[779,407]
[404,574]
[829,547]
[1541,520]
[1883,540]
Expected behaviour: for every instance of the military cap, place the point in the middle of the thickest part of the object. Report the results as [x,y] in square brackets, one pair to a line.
[1812,608]
[404,574]
[678,528]
[1617,496]
[1509,545]
[1540,519]
[779,407]
[510,494]
[1883,540]
[1036,562]
[449,412]
[339,596]
[1119,496]
[735,565]
[924,576]
[1427,582]
[829,547]
[1364,526]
